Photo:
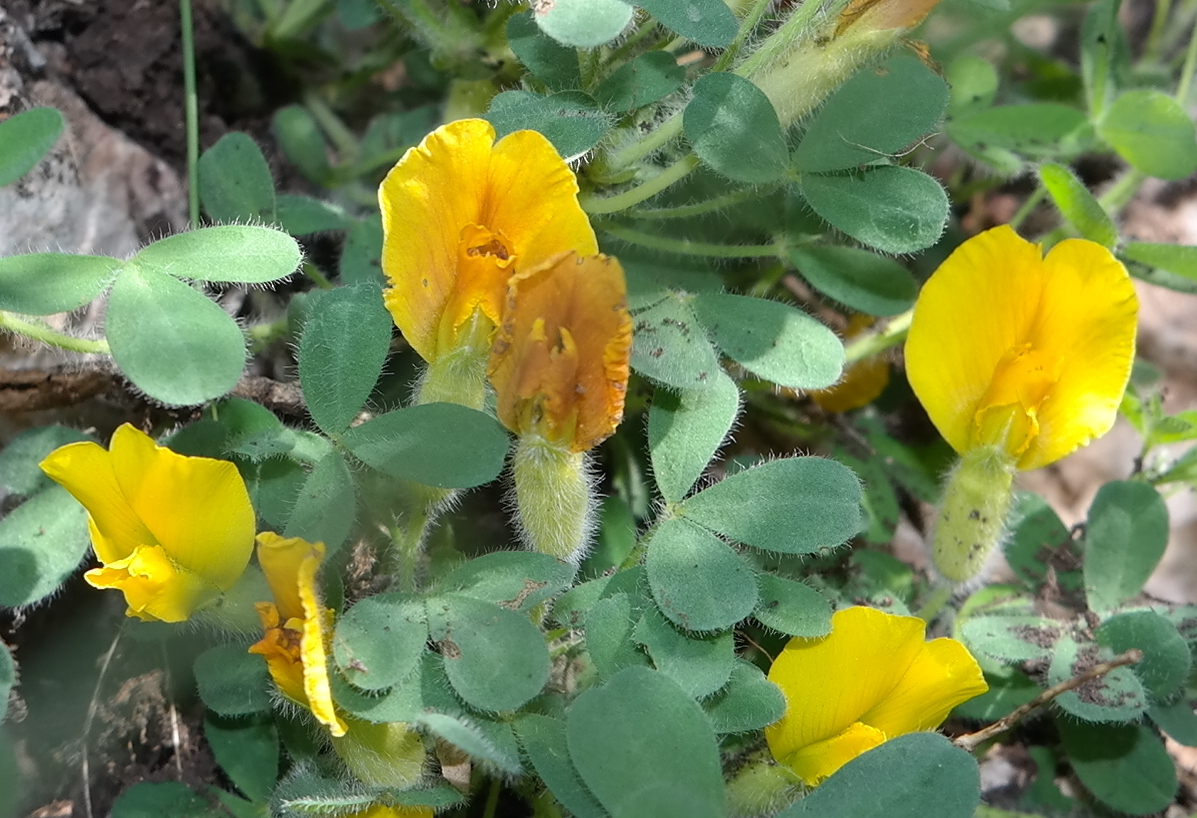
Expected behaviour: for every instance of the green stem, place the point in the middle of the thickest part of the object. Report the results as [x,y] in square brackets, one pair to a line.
[625,48]
[651,143]
[37,332]
[941,594]
[318,278]
[262,336]
[191,113]
[1187,71]
[331,124]
[1155,37]
[870,345]
[1028,206]
[699,208]
[687,247]
[601,205]
[492,799]
[403,557]
[1121,192]
[747,26]
[801,25]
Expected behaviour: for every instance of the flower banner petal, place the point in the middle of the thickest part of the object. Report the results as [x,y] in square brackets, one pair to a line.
[197,508]
[153,586]
[817,761]
[281,559]
[943,675]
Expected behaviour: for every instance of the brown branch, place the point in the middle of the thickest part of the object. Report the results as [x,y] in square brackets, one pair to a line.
[970,741]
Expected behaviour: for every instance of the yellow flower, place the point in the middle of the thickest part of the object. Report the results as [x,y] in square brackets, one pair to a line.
[461,214]
[298,627]
[173,532]
[873,678]
[560,362]
[1030,354]
[383,811]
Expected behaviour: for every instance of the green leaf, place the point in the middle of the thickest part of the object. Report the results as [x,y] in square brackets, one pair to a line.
[248,752]
[1105,54]
[42,542]
[772,340]
[544,742]
[25,139]
[1177,720]
[686,429]
[571,120]
[798,505]
[344,344]
[379,641]
[494,657]
[232,681]
[326,506]
[643,81]
[235,184]
[609,629]
[748,702]
[1003,697]
[1037,536]
[1125,766]
[301,140]
[304,215]
[48,283]
[700,664]
[880,501]
[437,444]
[584,23]
[1005,135]
[1126,534]
[1012,639]
[709,23]
[973,84]
[1166,659]
[19,469]
[516,580]
[424,690]
[638,730]
[253,431]
[893,209]
[8,679]
[239,253]
[361,260]
[919,775]
[863,281]
[1152,132]
[875,114]
[149,800]
[12,787]
[1177,259]
[1114,697]
[670,345]
[550,62]
[698,581]
[734,129]
[792,607]
[471,740]
[1078,205]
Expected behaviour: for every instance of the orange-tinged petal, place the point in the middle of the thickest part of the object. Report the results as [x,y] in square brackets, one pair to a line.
[1009,349]
[460,214]
[861,383]
[978,305]
[281,648]
[943,675]
[281,559]
[1086,324]
[560,363]
[154,587]
[829,683]
[817,761]
[85,470]
[197,508]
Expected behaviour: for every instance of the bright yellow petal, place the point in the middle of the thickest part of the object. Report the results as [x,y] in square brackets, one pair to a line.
[197,508]
[154,587]
[532,197]
[977,306]
[427,199]
[1086,325]
[943,675]
[460,215]
[85,470]
[317,635]
[829,683]
[281,559]
[560,362]
[817,761]
[383,811]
